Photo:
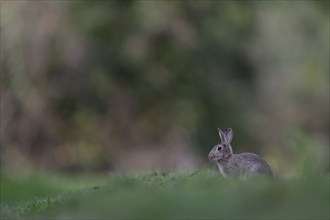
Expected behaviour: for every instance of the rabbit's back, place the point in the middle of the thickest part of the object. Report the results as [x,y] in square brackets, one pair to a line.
[245,164]
[251,163]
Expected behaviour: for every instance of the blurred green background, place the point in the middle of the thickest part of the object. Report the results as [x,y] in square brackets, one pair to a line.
[139,85]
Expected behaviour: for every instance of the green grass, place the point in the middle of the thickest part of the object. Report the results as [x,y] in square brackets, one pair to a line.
[196,195]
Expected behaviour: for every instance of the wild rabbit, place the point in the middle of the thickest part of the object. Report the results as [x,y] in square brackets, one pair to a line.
[237,165]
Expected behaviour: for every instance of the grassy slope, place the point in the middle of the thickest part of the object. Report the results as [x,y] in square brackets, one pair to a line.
[197,195]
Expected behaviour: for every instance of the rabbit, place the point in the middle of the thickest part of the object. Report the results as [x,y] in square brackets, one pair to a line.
[237,165]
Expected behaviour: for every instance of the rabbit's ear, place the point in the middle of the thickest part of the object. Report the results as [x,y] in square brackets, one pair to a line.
[222,136]
[229,135]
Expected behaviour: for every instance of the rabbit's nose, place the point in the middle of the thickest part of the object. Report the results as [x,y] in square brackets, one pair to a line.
[211,156]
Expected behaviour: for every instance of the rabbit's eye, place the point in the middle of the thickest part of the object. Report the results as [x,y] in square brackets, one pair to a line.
[219,148]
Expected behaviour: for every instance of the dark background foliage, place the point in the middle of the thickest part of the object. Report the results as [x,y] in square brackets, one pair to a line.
[126,85]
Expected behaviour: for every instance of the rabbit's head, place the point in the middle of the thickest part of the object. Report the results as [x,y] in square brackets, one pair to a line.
[223,150]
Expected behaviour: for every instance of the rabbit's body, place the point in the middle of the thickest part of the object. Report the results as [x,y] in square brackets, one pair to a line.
[243,165]
[237,165]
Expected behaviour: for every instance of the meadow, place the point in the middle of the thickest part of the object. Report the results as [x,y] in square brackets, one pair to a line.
[89,87]
[195,194]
